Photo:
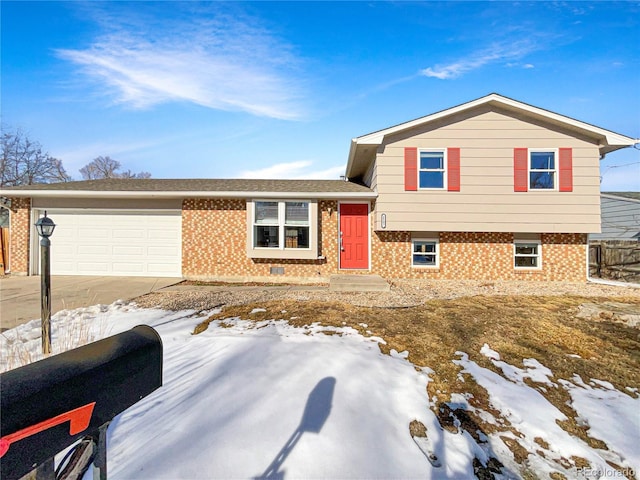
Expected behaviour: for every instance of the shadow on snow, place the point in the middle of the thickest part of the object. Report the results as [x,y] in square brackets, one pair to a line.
[315,414]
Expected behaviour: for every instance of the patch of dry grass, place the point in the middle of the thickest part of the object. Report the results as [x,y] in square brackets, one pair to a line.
[518,327]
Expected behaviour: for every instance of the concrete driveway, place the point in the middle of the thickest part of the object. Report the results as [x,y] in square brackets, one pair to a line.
[20,295]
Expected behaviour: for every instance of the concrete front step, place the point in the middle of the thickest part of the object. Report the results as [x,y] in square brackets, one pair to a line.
[358,283]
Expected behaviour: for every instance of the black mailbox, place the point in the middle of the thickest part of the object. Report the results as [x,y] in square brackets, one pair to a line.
[47,405]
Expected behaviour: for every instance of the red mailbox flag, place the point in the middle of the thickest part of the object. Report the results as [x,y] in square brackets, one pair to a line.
[78,418]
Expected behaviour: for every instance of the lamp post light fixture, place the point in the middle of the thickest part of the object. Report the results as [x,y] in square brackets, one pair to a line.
[45,227]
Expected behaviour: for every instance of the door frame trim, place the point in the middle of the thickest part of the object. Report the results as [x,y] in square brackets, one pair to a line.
[355,202]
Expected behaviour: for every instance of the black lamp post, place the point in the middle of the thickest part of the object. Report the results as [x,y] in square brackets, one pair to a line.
[45,227]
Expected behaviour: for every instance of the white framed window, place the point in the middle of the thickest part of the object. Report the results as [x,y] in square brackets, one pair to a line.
[527,254]
[543,169]
[281,225]
[425,252]
[432,170]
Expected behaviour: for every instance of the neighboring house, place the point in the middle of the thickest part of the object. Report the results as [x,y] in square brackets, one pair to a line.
[492,189]
[620,212]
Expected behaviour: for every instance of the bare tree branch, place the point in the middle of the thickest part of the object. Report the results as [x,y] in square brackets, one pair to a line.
[100,167]
[107,167]
[24,163]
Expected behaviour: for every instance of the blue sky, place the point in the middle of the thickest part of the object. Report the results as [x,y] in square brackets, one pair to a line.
[278,89]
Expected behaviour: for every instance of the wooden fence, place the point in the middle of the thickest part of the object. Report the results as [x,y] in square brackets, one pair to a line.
[615,260]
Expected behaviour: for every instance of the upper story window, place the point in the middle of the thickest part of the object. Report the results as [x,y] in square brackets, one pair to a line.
[542,170]
[281,225]
[431,169]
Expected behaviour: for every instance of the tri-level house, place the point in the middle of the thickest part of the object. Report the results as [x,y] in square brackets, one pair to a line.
[490,189]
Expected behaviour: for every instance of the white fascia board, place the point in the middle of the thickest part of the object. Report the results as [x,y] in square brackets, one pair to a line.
[352,155]
[612,138]
[181,194]
[376,138]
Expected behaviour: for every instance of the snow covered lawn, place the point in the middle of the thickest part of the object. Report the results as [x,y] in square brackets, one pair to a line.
[267,399]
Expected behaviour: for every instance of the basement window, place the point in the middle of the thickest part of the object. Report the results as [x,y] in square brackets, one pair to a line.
[527,254]
[425,253]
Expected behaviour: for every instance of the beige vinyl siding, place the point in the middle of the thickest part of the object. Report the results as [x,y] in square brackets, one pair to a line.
[486,201]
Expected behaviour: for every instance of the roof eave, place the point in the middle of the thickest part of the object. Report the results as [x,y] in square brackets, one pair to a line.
[609,141]
[608,148]
[180,194]
[612,139]
[354,152]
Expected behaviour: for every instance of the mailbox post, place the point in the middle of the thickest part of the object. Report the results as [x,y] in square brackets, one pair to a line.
[83,390]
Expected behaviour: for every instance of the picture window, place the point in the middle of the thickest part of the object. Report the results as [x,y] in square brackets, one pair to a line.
[281,225]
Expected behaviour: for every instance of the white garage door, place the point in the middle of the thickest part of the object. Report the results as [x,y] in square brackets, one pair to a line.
[115,243]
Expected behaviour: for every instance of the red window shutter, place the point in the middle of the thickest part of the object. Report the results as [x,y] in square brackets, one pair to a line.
[410,169]
[520,169]
[565,170]
[453,169]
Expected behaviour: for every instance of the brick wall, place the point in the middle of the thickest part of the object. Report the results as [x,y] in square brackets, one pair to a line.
[564,256]
[19,231]
[214,246]
[214,243]
[481,256]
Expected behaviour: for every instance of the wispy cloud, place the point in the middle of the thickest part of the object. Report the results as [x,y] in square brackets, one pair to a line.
[218,61]
[501,52]
[301,169]
[526,66]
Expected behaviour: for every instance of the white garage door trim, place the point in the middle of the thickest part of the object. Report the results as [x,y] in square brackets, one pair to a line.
[139,243]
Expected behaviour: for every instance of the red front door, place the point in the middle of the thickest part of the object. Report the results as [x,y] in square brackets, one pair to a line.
[354,235]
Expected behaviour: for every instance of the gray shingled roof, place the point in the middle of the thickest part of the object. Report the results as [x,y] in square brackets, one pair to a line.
[632,195]
[200,185]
